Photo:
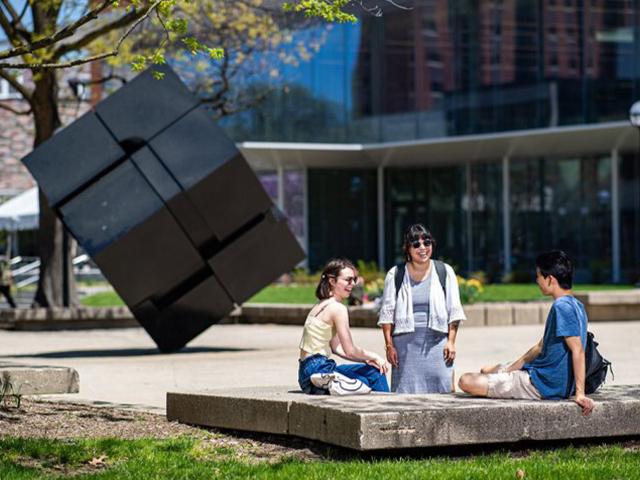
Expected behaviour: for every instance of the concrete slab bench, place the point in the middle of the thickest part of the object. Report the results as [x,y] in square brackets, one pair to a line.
[389,421]
[18,379]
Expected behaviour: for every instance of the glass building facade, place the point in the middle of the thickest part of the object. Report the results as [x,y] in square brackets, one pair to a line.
[441,70]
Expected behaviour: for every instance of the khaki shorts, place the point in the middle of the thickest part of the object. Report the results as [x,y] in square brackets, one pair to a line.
[516,384]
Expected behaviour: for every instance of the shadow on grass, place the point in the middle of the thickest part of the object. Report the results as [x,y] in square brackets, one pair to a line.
[514,450]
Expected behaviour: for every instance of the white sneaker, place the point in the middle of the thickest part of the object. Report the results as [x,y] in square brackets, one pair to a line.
[322,380]
[339,384]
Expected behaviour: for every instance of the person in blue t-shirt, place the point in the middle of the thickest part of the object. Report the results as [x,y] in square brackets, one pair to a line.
[554,368]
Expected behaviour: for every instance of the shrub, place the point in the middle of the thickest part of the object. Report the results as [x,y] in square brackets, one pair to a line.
[469,289]
[369,271]
[302,276]
[374,288]
[479,275]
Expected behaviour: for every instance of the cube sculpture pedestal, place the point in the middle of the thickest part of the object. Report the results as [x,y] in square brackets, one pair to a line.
[166,206]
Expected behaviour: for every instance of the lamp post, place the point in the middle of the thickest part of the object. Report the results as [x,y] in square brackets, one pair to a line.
[634,118]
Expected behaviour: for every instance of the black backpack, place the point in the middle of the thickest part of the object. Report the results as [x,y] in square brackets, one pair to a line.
[440,270]
[596,366]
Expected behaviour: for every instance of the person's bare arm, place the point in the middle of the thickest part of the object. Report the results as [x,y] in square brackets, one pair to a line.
[528,357]
[578,361]
[342,343]
[390,349]
[450,348]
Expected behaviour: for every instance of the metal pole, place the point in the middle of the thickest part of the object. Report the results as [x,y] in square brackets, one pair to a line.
[637,211]
[469,218]
[381,222]
[305,213]
[506,215]
[615,218]
[280,199]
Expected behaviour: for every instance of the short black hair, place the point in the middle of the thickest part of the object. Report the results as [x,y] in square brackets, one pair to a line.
[558,264]
[414,232]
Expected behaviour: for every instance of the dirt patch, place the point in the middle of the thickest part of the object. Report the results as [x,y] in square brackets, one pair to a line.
[62,420]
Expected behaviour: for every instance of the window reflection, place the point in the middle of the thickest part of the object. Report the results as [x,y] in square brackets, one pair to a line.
[453,68]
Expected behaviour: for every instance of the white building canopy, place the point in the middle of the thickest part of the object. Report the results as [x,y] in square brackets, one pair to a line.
[21,212]
[559,142]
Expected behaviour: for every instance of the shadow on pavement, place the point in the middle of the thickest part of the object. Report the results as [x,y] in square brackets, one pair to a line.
[125,352]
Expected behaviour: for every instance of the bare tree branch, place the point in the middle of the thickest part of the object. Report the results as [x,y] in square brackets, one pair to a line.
[24,10]
[106,28]
[14,110]
[61,34]
[8,29]
[19,87]
[16,20]
[89,59]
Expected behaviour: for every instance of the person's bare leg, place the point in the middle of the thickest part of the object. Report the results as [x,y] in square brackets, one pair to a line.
[476,384]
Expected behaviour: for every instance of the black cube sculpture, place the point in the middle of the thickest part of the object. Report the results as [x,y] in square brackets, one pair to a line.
[166,206]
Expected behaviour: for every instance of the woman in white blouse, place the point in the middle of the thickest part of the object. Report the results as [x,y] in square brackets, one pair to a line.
[420,315]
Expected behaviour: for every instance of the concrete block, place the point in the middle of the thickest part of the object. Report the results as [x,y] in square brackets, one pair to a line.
[38,379]
[608,297]
[499,314]
[611,305]
[604,313]
[545,308]
[326,422]
[476,315]
[247,409]
[363,317]
[526,314]
[278,313]
[389,421]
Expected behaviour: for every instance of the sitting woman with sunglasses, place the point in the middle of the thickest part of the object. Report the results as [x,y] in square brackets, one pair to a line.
[326,331]
[420,315]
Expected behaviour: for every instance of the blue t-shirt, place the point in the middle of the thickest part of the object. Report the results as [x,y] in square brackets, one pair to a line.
[552,371]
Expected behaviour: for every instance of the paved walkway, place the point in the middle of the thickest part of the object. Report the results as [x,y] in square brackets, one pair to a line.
[122,366]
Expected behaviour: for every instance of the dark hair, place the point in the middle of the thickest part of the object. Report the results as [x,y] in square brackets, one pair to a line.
[415,232]
[331,270]
[558,264]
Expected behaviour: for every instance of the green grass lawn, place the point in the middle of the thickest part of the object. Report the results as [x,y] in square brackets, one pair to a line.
[517,292]
[512,292]
[188,458]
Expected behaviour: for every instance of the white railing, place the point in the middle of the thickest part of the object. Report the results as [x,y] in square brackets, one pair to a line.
[26,270]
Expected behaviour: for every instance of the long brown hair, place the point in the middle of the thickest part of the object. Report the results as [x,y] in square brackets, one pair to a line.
[331,270]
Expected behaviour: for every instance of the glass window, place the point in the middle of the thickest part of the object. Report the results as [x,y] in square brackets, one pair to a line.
[342,215]
[630,217]
[484,200]
[433,197]
[453,68]
[562,204]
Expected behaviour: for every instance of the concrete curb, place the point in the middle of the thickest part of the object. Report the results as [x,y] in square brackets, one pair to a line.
[38,379]
[618,305]
[66,318]
[600,306]
[478,315]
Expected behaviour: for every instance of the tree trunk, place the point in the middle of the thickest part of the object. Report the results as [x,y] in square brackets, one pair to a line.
[51,285]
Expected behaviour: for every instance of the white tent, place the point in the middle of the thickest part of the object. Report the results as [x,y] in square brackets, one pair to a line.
[21,212]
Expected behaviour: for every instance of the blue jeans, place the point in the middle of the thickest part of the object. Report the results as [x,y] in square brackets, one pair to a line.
[318,363]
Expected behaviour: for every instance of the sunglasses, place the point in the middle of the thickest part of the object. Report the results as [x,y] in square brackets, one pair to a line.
[350,280]
[425,241]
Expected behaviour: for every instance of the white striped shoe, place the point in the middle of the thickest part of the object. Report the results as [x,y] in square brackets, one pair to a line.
[339,384]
